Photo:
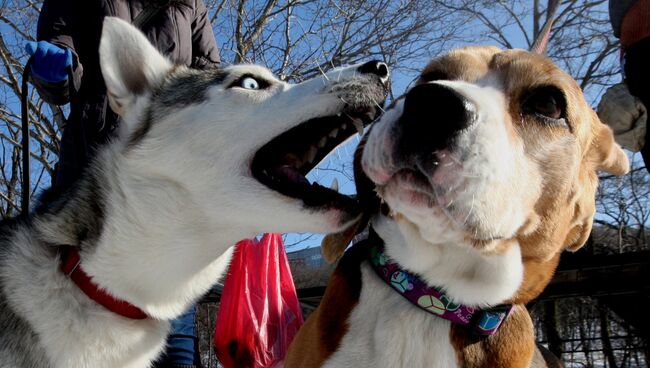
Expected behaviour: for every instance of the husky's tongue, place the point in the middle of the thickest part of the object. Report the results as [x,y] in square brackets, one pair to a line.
[282,163]
[289,172]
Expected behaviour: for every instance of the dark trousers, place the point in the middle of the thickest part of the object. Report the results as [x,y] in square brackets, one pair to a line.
[637,78]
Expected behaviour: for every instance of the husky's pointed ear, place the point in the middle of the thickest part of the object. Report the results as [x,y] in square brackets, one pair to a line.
[130,64]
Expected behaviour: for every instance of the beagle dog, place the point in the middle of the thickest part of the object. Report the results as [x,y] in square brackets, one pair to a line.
[485,171]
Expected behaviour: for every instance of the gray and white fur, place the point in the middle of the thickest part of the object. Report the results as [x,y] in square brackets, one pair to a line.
[157,212]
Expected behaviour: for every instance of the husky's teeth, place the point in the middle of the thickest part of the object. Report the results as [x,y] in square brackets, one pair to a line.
[338,115]
[311,154]
[334,133]
[335,185]
[343,126]
[359,125]
[322,142]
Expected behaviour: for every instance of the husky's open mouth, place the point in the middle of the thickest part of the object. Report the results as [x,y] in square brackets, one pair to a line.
[283,163]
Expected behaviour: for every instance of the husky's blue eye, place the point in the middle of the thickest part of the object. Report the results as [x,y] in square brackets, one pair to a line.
[249,83]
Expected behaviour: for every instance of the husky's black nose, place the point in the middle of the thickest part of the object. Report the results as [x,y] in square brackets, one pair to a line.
[432,117]
[376,67]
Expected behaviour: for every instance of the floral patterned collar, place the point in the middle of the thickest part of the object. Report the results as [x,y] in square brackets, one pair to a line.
[432,299]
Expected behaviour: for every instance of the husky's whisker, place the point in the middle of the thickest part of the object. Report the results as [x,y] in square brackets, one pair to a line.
[322,72]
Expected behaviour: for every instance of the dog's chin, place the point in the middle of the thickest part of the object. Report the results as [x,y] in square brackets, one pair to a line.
[283,163]
[411,195]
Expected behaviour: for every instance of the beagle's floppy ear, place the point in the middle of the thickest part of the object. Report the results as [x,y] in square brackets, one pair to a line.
[606,154]
[583,220]
[333,245]
[603,154]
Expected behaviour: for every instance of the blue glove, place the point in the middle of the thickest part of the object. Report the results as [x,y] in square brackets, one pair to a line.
[50,62]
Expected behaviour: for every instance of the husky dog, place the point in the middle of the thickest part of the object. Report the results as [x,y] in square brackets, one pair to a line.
[202,160]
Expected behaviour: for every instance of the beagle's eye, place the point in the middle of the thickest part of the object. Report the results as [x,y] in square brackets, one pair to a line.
[547,102]
[249,83]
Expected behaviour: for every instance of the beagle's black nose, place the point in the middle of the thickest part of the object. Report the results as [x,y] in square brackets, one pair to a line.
[432,117]
[376,67]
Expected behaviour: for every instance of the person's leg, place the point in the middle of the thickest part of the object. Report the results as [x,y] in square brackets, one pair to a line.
[637,78]
[182,345]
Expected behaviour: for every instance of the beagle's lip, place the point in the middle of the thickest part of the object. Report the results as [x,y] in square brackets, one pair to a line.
[379,176]
[410,180]
[483,242]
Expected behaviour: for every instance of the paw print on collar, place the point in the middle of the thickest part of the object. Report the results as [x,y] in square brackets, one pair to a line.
[401,282]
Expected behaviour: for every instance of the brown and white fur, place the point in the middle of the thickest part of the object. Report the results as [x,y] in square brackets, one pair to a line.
[487,166]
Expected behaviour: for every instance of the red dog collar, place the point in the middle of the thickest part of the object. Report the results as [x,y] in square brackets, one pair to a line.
[71,267]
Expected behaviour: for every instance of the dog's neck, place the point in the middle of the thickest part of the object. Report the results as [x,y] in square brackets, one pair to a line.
[466,275]
[432,299]
[154,247]
[362,321]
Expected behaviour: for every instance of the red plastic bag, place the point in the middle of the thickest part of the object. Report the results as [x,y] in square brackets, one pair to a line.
[259,313]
